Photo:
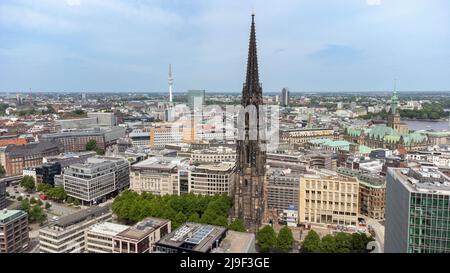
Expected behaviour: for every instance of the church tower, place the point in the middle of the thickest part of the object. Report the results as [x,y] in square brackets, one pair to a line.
[394,117]
[248,203]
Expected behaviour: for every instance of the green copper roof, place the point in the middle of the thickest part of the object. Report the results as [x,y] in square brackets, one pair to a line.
[339,144]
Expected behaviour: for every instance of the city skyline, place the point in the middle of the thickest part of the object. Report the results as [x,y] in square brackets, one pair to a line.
[74,46]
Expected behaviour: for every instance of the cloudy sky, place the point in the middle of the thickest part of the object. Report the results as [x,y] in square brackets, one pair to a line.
[306,45]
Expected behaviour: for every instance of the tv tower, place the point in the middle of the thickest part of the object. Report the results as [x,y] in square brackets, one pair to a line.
[170,83]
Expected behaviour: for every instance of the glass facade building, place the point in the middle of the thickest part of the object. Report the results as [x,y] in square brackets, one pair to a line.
[417,211]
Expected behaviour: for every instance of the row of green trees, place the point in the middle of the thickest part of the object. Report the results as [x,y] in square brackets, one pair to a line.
[268,241]
[132,207]
[429,111]
[339,243]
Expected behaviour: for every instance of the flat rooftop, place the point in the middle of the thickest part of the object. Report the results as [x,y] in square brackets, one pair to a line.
[221,167]
[81,216]
[160,163]
[424,179]
[142,229]
[237,242]
[193,237]
[108,228]
[9,215]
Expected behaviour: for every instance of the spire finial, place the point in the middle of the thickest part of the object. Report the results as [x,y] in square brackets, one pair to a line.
[395,85]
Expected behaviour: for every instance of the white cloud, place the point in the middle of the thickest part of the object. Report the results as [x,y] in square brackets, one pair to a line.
[73,2]
[373,2]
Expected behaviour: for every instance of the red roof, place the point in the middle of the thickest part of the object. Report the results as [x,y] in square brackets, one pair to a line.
[17,141]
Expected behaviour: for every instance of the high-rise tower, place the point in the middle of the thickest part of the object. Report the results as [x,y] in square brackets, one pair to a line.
[170,83]
[251,153]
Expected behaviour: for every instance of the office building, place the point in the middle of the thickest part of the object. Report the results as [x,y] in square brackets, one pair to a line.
[103,119]
[156,175]
[76,140]
[99,237]
[67,234]
[97,179]
[15,158]
[13,231]
[303,135]
[417,211]
[67,159]
[141,237]
[327,198]
[140,137]
[93,120]
[372,192]
[284,101]
[210,179]
[212,155]
[161,135]
[192,238]
[46,172]
[282,189]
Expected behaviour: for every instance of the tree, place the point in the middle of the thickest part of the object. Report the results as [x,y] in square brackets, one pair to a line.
[39,202]
[70,199]
[27,183]
[237,225]
[19,198]
[343,242]
[2,171]
[359,242]
[91,145]
[57,194]
[76,202]
[131,207]
[43,187]
[36,214]
[328,244]
[266,239]
[48,205]
[285,239]
[311,243]
[32,200]
[194,218]
[180,219]
[25,205]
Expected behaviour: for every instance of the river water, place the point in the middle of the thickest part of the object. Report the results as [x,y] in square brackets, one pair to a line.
[428,125]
